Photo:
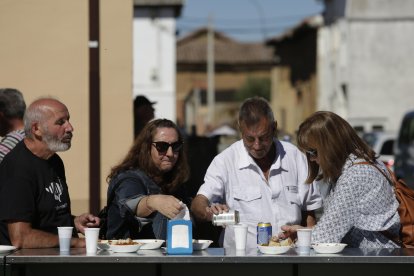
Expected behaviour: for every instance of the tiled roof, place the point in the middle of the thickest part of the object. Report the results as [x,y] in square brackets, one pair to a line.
[158,2]
[193,49]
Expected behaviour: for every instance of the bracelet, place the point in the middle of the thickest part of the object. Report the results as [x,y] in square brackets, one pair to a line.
[146,204]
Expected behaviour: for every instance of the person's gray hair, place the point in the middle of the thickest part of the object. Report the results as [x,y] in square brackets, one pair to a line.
[253,109]
[12,103]
[35,113]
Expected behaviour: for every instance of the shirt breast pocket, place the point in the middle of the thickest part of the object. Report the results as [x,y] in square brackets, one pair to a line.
[291,212]
[247,200]
[292,195]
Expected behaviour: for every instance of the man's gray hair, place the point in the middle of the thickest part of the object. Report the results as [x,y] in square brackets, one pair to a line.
[12,103]
[253,109]
[35,113]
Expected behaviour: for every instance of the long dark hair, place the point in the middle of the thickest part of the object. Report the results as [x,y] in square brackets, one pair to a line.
[334,139]
[139,157]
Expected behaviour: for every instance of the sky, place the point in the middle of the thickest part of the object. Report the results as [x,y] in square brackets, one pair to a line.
[246,20]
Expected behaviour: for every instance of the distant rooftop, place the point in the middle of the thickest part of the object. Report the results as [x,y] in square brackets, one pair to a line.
[193,49]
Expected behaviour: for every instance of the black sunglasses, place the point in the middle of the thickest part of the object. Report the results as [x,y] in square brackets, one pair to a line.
[312,152]
[162,147]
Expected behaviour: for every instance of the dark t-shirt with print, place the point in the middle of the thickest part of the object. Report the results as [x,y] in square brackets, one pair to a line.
[33,190]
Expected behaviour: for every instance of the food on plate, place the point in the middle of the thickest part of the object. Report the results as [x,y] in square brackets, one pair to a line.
[123,242]
[275,241]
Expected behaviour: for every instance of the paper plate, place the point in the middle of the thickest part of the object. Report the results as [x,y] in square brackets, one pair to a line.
[125,248]
[7,248]
[150,244]
[274,250]
[201,244]
[328,248]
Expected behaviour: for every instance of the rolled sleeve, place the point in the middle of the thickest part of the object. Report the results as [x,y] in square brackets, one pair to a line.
[309,193]
[213,187]
[128,196]
[312,199]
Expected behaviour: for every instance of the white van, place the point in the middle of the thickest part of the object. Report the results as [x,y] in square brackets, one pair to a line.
[404,150]
[383,145]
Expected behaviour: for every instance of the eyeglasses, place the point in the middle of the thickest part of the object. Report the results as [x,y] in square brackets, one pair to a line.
[162,147]
[312,152]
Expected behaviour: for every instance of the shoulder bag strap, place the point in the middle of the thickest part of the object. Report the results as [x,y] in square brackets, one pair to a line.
[381,171]
[391,180]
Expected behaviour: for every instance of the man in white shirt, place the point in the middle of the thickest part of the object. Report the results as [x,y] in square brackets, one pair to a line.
[260,176]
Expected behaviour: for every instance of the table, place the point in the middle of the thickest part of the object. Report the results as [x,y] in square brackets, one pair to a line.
[2,264]
[211,262]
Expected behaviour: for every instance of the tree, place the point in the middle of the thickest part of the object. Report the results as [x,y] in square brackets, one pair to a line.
[254,87]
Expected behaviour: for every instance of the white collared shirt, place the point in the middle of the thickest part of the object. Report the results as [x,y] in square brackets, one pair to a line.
[235,179]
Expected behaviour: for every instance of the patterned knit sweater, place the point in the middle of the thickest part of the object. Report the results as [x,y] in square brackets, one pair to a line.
[359,205]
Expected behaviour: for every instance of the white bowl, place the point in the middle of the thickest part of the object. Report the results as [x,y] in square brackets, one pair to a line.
[125,248]
[7,248]
[328,248]
[201,244]
[273,250]
[150,243]
[104,245]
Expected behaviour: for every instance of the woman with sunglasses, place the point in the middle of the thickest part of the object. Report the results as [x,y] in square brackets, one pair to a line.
[360,208]
[146,183]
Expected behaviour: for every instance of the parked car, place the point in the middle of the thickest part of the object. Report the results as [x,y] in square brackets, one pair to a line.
[404,150]
[383,144]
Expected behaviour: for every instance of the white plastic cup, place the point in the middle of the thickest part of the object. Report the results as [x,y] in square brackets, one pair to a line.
[65,235]
[91,237]
[240,236]
[304,240]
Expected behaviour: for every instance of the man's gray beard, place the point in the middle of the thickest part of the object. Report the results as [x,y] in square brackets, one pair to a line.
[54,144]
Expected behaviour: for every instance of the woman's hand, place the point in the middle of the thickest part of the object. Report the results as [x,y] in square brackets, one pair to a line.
[167,205]
[289,231]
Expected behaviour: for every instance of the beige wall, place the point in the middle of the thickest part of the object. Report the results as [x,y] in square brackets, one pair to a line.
[289,108]
[44,51]
[116,81]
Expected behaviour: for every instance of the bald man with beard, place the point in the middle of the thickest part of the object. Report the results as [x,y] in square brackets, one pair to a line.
[34,197]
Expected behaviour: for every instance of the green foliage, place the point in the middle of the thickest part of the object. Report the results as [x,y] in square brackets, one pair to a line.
[254,87]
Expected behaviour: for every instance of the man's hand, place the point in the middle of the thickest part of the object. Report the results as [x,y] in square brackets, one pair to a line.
[203,211]
[215,209]
[86,220]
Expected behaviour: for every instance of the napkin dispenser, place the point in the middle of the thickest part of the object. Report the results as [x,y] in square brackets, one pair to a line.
[179,237]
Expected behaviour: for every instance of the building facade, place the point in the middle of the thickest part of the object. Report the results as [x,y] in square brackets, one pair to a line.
[234,63]
[154,50]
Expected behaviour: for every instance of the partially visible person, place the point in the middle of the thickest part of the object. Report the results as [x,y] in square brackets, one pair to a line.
[261,177]
[360,209]
[34,198]
[12,107]
[143,113]
[147,184]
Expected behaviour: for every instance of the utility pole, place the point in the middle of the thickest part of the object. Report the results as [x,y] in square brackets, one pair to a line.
[94,110]
[210,72]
